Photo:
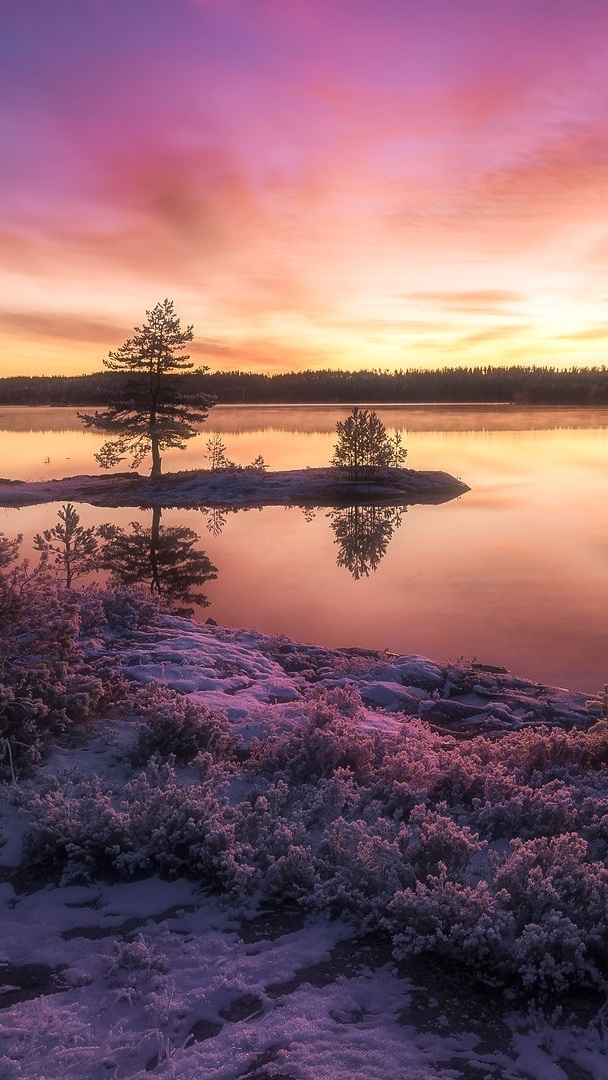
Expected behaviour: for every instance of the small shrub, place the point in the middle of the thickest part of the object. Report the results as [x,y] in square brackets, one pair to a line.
[131,608]
[76,830]
[174,726]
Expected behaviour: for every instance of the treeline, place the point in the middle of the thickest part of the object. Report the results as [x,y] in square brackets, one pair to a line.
[518,385]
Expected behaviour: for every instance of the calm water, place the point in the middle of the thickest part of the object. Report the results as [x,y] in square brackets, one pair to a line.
[513,573]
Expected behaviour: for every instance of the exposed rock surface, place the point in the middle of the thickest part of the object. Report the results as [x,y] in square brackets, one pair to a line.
[239,488]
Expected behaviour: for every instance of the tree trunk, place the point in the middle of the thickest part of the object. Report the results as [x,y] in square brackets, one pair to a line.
[156,458]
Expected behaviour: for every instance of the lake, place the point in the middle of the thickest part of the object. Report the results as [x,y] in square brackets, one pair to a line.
[513,573]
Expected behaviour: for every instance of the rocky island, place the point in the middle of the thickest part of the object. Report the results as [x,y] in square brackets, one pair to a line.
[239,488]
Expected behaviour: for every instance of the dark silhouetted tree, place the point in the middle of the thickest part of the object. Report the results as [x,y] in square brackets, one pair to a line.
[73,549]
[363,534]
[163,559]
[153,412]
[216,453]
[364,448]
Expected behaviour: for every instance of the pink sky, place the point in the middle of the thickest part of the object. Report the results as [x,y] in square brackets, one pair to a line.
[315,183]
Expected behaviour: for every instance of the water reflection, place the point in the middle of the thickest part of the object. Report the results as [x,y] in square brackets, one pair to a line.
[163,558]
[514,574]
[215,519]
[363,534]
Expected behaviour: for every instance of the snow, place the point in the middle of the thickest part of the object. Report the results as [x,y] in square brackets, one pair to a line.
[152,977]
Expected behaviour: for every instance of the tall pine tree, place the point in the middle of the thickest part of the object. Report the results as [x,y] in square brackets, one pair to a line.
[154,413]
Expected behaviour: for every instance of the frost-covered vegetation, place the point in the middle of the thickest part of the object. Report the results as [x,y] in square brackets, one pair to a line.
[487,853]
[487,850]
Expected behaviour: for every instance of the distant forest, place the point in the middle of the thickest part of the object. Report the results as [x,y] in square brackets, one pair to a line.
[517,385]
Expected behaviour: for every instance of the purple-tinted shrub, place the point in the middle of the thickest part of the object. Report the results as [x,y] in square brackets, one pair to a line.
[45,685]
[332,797]
[327,739]
[173,725]
[545,811]
[174,828]
[130,607]
[134,956]
[459,922]
[93,619]
[440,841]
[323,703]
[553,874]
[76,830]
[361,863]
[551,956]
[292,876]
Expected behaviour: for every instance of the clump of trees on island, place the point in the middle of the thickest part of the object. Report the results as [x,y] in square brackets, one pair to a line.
[364,447]
[219,461]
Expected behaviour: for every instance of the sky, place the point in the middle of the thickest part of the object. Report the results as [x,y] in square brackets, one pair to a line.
[315,183]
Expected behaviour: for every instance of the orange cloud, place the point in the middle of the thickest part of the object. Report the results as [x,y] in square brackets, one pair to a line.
[65,327]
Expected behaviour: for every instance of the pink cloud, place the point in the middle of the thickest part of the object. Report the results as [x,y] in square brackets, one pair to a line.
[303,163]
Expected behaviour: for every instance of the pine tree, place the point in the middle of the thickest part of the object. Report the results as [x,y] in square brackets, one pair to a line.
[154,412]
[216,453]
[364,447]
[75,549]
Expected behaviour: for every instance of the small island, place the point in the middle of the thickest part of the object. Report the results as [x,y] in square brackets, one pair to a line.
[239,488]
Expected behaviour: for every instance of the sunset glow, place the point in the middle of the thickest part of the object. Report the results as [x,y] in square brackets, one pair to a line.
[315,183]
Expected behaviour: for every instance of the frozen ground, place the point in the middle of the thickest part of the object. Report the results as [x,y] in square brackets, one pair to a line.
[170,975]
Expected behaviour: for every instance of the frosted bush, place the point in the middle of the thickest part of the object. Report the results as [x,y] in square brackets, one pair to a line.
[440,841]
[327,739]
[332,797]
[76,830]
[554,874]
[175,726]
[359,665]
[462,922]
[292,876]
[45,686]
[135,956]
[130,608]
[551,956]
[324,703]
[362,864]
[550,809]
[176,829]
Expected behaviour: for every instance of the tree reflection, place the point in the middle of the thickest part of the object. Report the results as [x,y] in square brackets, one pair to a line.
[363,534]
[215,519]
[164,559]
